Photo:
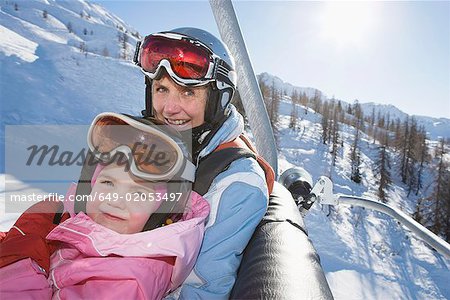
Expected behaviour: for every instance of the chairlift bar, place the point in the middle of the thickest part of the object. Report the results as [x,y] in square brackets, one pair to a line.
[419,230]
[251,96]
[323,193]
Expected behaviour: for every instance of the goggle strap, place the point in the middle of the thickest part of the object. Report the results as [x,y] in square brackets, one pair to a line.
[136,53]
[189,171]
[148,98]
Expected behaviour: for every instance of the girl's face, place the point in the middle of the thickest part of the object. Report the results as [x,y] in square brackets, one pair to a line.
[119,202]
[180,107]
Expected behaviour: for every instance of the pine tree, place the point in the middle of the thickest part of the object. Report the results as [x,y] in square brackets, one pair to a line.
[69,27]
[325,122]
[422,152]
[392,125]
[359,116]
[371,123]
[83,47]
[355,154]
[304,100]
[331,109]
[342,113]
[349,110]
[382,170]
[355,159]
[381,121]
[440,197]
[317,101]
[335,135]
[446,206]
[105,52]
[418,213]
[375,134]
[412,156]
[356,172]
[372,117]
[274,105]
[388,121]
[397,134]
[408,141]
[403,147]
[123,39]
[293,118]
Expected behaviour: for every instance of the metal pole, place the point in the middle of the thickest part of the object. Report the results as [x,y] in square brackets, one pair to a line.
[252,100]
[426,235]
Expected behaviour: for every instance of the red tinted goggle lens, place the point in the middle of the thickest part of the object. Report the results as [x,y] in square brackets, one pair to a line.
[187,60]
[110,132]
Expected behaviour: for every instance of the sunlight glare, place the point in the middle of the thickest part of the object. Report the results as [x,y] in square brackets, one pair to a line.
[347,23]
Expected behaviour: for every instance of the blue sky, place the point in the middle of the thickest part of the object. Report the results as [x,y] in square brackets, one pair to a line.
[395,52]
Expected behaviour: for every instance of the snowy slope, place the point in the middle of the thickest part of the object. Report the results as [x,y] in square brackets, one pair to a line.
[366,254]
[46,79]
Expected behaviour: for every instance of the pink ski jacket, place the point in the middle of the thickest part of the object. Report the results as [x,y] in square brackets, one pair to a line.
[96,262]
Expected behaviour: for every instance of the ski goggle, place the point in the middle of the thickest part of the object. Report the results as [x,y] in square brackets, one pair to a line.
[150,150]
[189,62]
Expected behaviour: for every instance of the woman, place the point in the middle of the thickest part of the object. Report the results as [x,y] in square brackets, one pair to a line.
[190,77]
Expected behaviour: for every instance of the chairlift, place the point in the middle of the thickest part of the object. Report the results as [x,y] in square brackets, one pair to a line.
[280,261]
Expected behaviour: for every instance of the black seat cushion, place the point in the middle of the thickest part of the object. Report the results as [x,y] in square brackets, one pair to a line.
[280,261]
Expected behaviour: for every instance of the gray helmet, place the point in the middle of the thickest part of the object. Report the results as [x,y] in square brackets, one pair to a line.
[222,75]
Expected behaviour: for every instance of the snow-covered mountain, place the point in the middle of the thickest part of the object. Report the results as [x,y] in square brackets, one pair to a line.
[47,79]
[435,127]
[286,87]
[64,67]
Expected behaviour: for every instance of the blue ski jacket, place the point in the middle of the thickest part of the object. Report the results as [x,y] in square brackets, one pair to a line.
[238,198]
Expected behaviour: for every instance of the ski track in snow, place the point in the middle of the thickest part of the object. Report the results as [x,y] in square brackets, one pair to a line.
[47,80]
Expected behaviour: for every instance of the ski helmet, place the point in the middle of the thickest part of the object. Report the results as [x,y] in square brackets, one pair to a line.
[192,57]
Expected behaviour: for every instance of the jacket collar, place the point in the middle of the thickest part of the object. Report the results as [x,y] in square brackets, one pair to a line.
[230,130]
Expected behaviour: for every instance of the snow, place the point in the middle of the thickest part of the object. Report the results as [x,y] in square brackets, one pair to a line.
[362,284]
[365,254]
[14,44]
[45,79]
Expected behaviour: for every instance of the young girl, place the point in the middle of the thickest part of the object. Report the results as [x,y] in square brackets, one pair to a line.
[112,247]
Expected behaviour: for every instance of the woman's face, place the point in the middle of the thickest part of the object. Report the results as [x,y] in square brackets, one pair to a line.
[119,202]
[180,107]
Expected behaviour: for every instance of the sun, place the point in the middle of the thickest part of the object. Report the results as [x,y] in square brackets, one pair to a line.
[347,23]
